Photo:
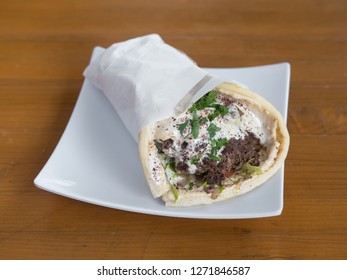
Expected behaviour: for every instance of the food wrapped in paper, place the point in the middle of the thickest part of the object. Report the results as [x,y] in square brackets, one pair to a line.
[144,78]
[200,140]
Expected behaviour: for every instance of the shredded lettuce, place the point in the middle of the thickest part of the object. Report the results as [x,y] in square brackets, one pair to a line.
[170,174]
[172,166]
[174,191]
[251,170]
[246,171]
[220,189]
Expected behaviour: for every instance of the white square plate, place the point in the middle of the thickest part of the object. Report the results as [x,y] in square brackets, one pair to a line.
[96,159]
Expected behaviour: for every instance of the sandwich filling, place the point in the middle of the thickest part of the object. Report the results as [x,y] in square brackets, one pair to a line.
[218,142]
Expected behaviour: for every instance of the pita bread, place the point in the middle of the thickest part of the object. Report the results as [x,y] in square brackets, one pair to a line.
[155,171]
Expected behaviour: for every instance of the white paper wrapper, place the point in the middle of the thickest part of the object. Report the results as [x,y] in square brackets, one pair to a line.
[147,80]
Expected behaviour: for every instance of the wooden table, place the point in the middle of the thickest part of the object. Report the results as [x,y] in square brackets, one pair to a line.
[44,48]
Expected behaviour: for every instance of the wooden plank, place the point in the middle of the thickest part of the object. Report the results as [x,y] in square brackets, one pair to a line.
[44,48]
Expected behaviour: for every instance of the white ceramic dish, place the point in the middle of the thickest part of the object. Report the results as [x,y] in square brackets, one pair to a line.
[96,159]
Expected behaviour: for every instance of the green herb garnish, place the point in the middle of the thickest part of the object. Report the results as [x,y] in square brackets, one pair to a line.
[217,144]
[194,160]
[206,101]
[214,157]
[219,110]
[195,123]
[203,120]
[182,126]
[212,130]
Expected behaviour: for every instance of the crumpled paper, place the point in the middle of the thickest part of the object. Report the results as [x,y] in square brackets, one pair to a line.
[147,80]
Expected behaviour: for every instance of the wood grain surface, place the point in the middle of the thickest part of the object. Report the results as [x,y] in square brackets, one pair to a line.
[44,48]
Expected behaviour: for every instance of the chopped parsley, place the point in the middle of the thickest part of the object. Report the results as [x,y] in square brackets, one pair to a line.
[194,160]
[212,130]
[220,110]
[217,144]
[214,157]
[182,126]
[195,125]
[206,101]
